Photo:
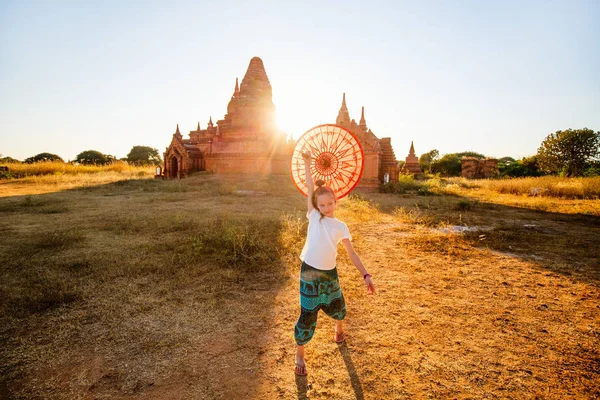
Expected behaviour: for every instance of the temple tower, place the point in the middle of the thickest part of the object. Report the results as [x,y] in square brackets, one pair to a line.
[363,123]
[343,117]
[250,112]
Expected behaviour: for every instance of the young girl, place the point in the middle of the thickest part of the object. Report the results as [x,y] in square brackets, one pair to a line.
[319,284]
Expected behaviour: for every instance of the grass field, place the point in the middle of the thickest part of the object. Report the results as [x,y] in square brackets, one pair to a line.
[114,285]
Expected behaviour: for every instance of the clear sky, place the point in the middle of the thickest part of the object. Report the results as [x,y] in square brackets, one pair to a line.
[494,77]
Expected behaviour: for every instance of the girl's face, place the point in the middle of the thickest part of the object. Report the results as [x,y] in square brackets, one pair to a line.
[326,204]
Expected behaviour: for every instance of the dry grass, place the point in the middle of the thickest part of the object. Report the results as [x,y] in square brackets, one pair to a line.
[551,194]
[545,186]
[53,176]
[22,170]
[121,288]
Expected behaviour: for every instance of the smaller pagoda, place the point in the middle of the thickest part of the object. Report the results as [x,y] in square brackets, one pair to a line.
[411,166]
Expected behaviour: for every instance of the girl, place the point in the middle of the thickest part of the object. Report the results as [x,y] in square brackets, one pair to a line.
[319,284]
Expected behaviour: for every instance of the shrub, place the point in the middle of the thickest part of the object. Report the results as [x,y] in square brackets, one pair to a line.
[406,183]
[464,205]
[248,243]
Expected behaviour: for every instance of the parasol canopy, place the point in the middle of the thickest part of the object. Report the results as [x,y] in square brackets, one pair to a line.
[337,159]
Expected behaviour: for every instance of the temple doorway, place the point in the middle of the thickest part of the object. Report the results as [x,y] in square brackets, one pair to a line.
[173,168]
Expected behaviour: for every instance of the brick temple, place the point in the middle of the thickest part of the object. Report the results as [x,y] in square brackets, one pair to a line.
[379,154]
[247,139]
[474,168]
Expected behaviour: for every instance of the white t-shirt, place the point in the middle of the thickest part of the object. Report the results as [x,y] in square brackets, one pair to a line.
[324,234]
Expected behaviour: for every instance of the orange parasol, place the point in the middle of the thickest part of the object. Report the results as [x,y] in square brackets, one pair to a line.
[337,159]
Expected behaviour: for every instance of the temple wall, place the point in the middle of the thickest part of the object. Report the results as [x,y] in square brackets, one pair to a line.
[237,147]
[247,164]
[370,177]
[474,168]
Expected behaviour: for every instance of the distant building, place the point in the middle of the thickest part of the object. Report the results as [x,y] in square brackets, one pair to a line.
[411,165]
[475,168]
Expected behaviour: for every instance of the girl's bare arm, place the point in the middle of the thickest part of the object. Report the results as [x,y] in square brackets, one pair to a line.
[309,181]
[359,265]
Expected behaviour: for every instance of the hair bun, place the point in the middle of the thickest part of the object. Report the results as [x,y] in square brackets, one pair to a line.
[320,183]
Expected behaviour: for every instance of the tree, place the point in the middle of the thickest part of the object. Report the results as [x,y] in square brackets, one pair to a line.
[532,166]
[92,157]
[43,157]
[526,166]
[427,159]
[142,155]
[448,165]
[593,169]
[9,160]
[569,152]
[506,160]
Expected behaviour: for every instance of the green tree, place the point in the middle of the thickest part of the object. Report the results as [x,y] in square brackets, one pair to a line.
[43,157]
[526,166]
[593,169]
[569,152]
[143,155]
[504,164]
[506,160]
[427,159]
[532,166]
[448,165]
[9,160]
[91,157]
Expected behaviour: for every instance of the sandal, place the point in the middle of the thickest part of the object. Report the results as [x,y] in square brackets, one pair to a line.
[340,337]
[300,370]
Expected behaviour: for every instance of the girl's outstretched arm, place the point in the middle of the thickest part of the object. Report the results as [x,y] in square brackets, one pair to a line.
[359,265]
[309,181]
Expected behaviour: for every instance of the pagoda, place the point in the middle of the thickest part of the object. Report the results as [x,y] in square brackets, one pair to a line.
[411,165]
[246,140]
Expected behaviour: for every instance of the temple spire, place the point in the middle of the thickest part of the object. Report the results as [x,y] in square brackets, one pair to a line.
[362,123]
[343,117]
[198,126]
[210,123]
[177,131]
[412,149]
[237,88]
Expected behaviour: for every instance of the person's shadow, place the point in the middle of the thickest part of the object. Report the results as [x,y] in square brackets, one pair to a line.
[302,384]
[302,387]
[354,380]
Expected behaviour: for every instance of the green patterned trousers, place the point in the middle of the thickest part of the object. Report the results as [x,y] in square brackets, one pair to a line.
[319,289]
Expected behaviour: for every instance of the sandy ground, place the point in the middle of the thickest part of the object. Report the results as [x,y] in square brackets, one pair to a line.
[508,311]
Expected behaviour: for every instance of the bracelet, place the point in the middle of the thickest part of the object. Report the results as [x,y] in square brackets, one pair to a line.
[365,277]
